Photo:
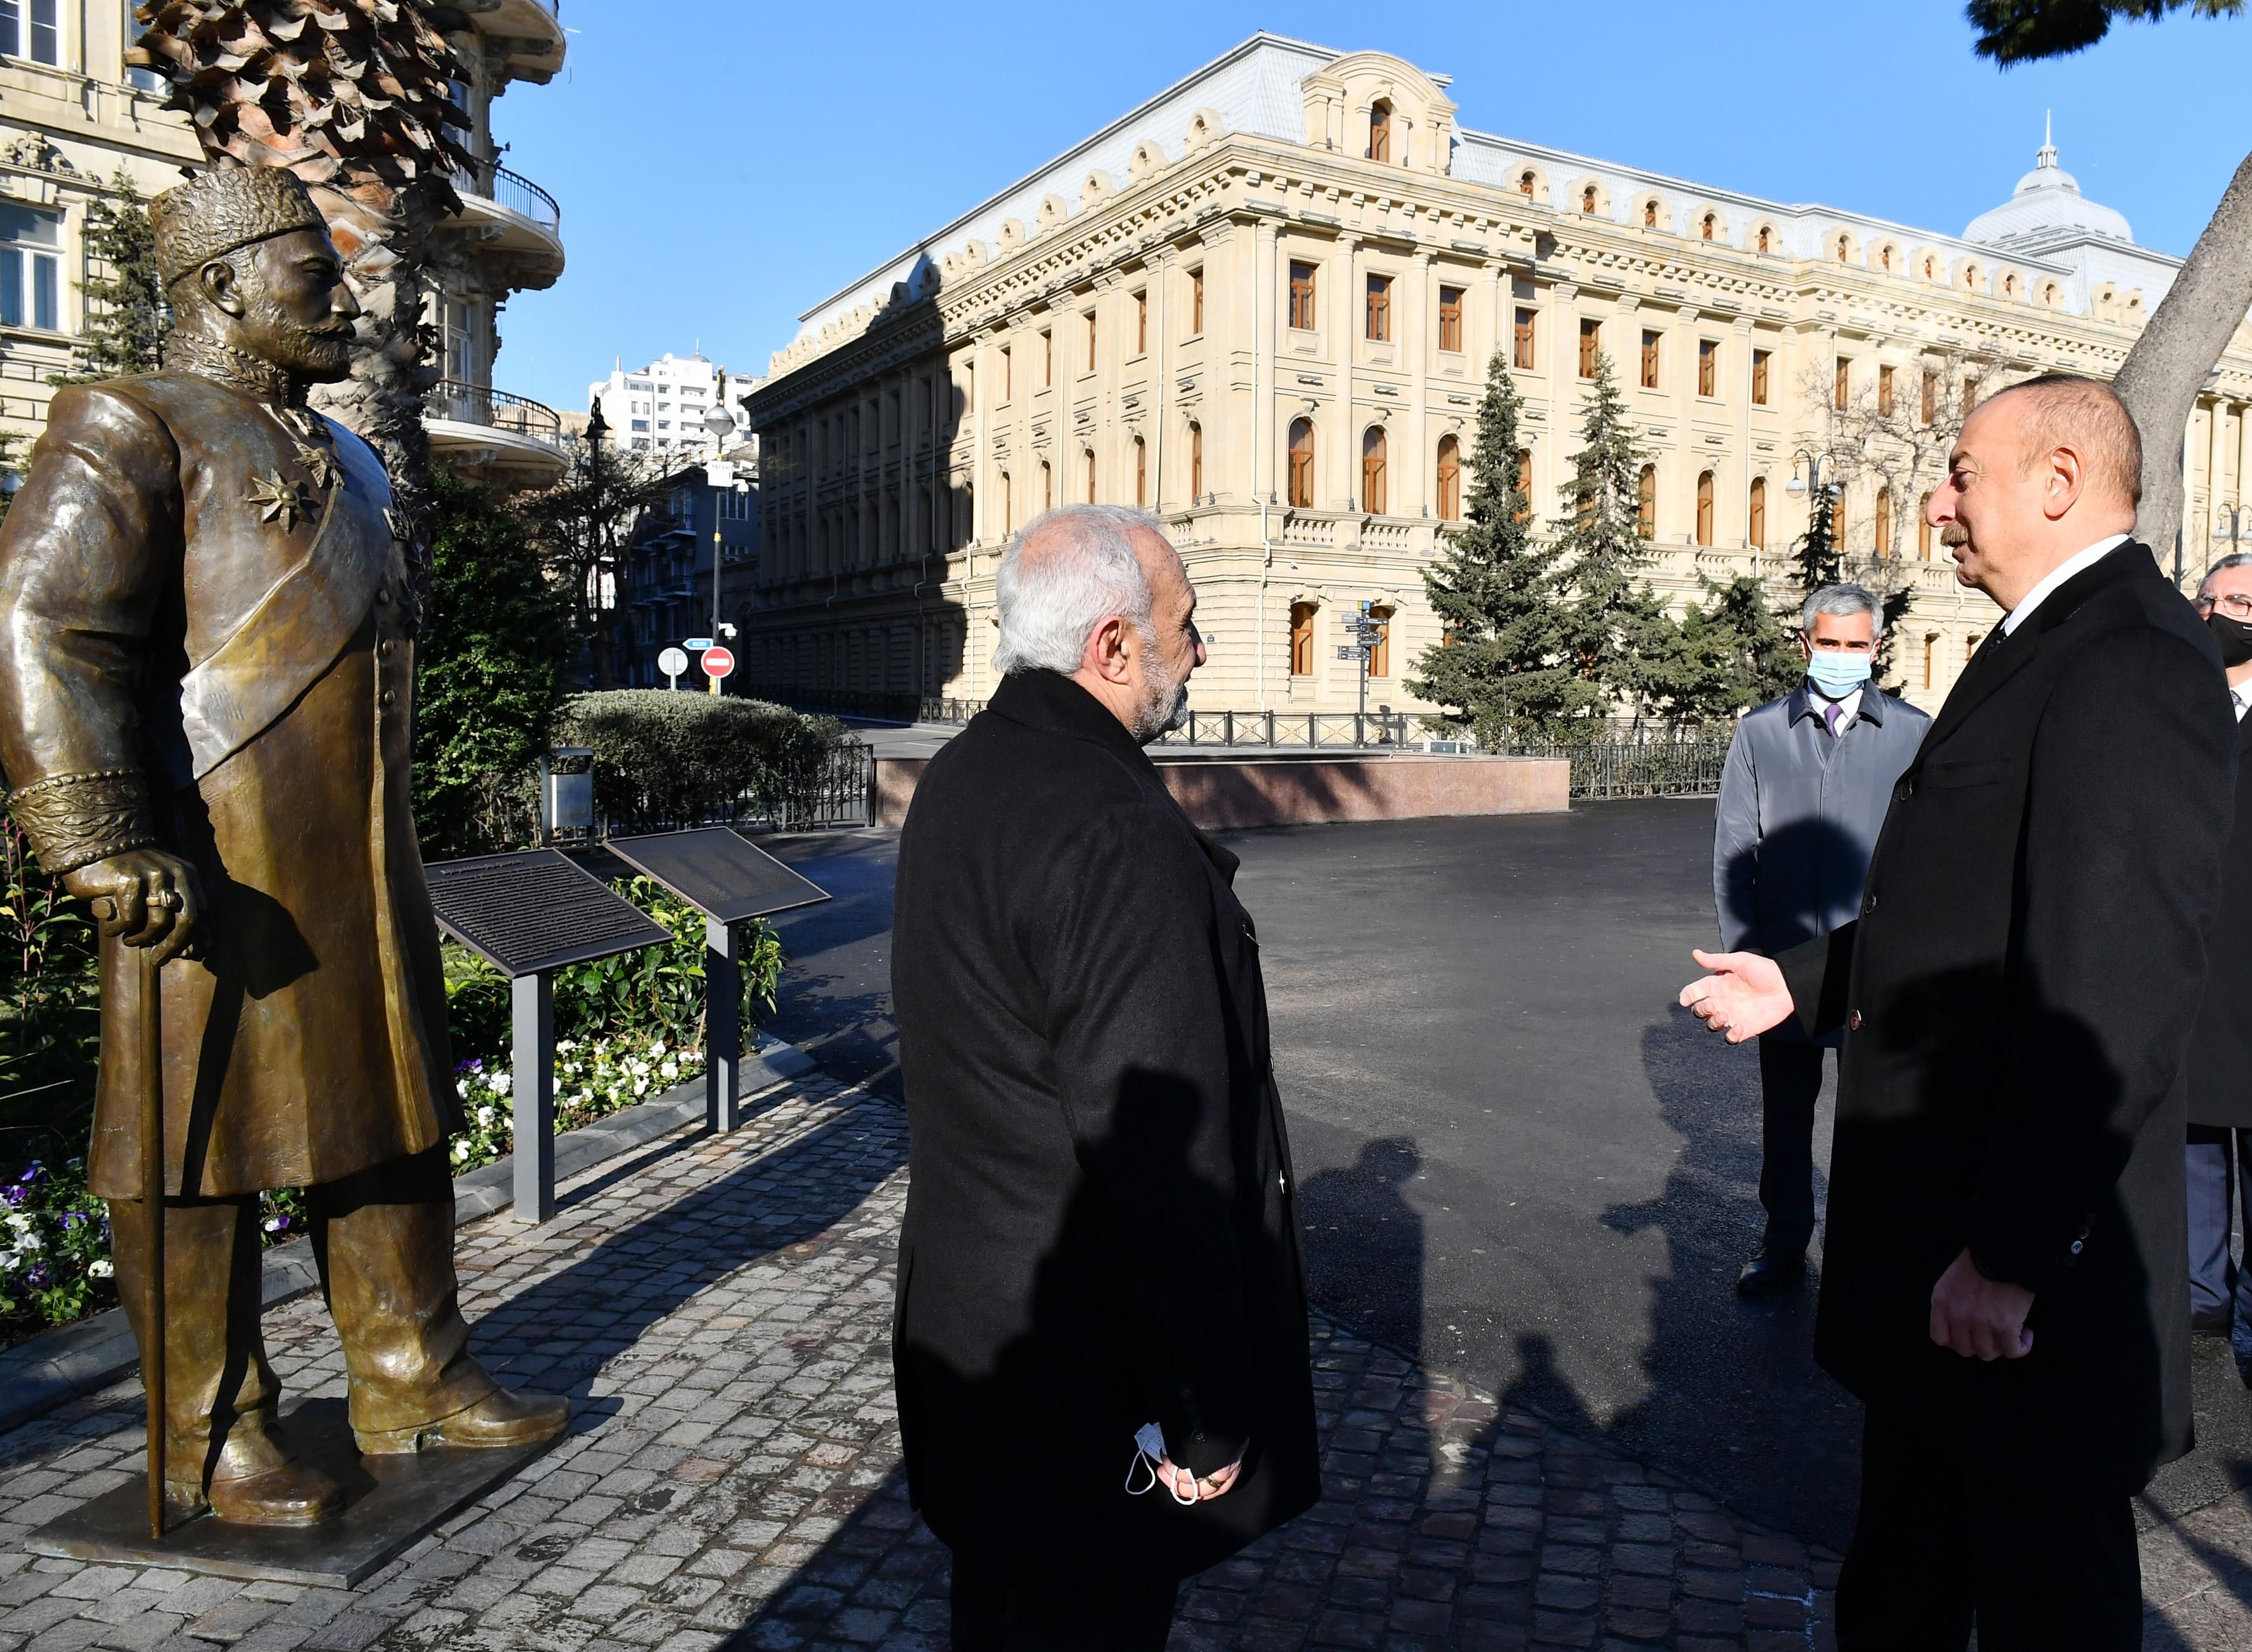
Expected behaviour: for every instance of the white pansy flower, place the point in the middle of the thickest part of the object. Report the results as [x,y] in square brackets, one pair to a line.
[100,1267]
[671,1070]
[499,1083]
[484,1118]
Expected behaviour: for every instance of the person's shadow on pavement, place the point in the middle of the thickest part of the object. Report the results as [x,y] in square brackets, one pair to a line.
[1364,1244]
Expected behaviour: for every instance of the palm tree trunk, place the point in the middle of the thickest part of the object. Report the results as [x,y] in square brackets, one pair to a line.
[2174,358]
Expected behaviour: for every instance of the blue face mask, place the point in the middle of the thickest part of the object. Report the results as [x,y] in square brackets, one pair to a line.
[1838,673]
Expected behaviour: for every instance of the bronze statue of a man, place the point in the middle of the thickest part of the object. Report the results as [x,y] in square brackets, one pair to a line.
[207,676]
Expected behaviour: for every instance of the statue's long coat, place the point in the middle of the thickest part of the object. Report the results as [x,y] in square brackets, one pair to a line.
[260,674]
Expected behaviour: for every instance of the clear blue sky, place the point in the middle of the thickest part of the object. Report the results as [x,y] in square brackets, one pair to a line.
[723,166]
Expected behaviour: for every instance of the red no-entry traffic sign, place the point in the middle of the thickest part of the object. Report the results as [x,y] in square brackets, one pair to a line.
[718,662]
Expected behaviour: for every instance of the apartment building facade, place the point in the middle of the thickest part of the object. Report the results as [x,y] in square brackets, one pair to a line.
[1263,306]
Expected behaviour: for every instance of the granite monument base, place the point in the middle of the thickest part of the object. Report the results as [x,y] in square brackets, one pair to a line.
[391,1503]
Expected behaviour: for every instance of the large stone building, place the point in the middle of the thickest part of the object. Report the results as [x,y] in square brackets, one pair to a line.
[663,408]
[1262,305]
[73,117]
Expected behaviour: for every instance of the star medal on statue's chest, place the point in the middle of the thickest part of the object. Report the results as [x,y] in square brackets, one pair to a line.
[277,499]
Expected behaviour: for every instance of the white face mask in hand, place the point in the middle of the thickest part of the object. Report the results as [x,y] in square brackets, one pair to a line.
[1149,1452]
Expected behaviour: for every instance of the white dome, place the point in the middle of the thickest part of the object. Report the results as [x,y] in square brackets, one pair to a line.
[2048,209]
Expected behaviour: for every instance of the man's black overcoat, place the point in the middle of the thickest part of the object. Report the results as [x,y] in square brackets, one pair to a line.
[2220,1049]
[2020,994]
[1102,1228]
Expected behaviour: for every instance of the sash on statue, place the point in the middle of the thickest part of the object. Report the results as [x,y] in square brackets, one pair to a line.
[303,624]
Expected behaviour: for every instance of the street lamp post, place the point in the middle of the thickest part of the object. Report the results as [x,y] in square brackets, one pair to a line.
[2228,523]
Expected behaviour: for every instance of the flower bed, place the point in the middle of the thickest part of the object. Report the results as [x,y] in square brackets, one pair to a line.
[631,1028]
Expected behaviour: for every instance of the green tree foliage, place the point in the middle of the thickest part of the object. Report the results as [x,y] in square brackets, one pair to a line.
[2022,31]
[126,318]
[491,659]
[1494,587]
[1611,620]
[1816,553]
[662,758]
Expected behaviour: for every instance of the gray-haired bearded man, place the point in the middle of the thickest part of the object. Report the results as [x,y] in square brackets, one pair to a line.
[1101,1345]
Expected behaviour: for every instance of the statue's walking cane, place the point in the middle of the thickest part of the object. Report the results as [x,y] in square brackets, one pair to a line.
[152,1203]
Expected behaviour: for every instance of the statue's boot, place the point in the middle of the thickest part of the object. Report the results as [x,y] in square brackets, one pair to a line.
[384,1241]
[224,1448]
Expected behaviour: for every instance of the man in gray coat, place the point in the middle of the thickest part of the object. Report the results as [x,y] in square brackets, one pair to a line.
[1807,779]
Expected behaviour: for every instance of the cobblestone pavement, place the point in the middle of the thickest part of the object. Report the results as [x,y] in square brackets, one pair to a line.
[721,1310]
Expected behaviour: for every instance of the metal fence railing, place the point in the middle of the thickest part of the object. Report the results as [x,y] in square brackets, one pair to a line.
[1653,763]
[496,409]
[1314,730]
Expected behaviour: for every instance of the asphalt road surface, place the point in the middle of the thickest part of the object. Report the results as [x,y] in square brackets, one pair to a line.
[1518,1161]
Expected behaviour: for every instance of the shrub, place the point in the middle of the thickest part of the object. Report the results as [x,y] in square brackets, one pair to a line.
[667,758]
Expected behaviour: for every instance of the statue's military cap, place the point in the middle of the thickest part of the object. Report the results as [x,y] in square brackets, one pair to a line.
[225,210]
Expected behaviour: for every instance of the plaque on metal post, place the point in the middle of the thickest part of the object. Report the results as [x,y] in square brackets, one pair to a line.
[528,915]
[730,882]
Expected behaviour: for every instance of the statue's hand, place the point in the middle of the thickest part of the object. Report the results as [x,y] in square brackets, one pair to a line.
[144,898]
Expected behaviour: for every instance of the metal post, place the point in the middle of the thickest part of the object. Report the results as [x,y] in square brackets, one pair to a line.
[155,1331]
[533,999]
[723,1026]
[1270,728]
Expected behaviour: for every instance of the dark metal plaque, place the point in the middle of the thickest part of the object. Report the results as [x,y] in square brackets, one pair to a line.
[531,913]
[718,873]
[392,1503]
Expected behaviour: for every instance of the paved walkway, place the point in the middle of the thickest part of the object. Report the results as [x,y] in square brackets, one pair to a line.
[721,1309]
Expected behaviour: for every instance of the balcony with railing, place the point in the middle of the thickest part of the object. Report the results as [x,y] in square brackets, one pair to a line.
[508,442]
[515,220]
[524,38]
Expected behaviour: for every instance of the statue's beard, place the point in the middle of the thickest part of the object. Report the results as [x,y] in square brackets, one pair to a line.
[321,355]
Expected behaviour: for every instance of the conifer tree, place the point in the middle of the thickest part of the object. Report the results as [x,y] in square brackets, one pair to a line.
[1493,586]
[1611,621]
[126,319]
[1816,550]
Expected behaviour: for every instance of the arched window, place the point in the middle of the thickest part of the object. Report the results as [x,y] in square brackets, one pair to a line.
[1522,482]
[1588,200]
[1705,508]
[1649,215]
[1374,492]
[1087,465]
[2010,285]
[1008,506]
[1645,492]
[1923,528]
[1765,236]
[1301,464]
[1526,183]
[1838,523]
[1930,267]
[1048,486]
[1380,131]
[1755,514]
[1845,248]
[1450,479]
[1141,474]
[1930,659]
[1884,522]
[1380,656]
[1709,227]
[1196,461]
[1885,258]
[1302,639]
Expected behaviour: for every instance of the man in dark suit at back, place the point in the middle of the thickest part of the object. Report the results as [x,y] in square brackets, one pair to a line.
[1101,1346]
[2217,1160]
[2003,1270]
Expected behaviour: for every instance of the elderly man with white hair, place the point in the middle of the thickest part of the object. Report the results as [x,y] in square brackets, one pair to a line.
[1100,1337]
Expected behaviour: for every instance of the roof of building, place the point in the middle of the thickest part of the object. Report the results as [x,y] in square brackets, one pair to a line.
[1256,88]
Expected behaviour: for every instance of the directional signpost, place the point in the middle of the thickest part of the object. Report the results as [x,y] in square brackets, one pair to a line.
[730,882]
[529,915]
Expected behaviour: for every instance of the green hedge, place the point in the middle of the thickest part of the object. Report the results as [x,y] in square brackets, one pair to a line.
[668,758]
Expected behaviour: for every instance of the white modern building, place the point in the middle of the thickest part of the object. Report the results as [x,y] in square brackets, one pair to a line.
[662,407]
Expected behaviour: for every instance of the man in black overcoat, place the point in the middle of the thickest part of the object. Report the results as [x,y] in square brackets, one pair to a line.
[2219,1157]
[1101,1231]
[2003,1275]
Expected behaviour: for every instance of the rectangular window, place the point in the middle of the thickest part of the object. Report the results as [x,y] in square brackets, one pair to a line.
[30,29]
[1450,319]
[145,80]
[1930,409]
[1092,340]
[1301,297]
[1196,302]
[1141,323]
[1523,357]
[968,386]
[1969,393]
[1884,392]
[1047,359]
[1842,385]
[1591,345]
[1708,367]
[30,276]
[1008,376]
[1648,359]
[1379,309]
[1760,358]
